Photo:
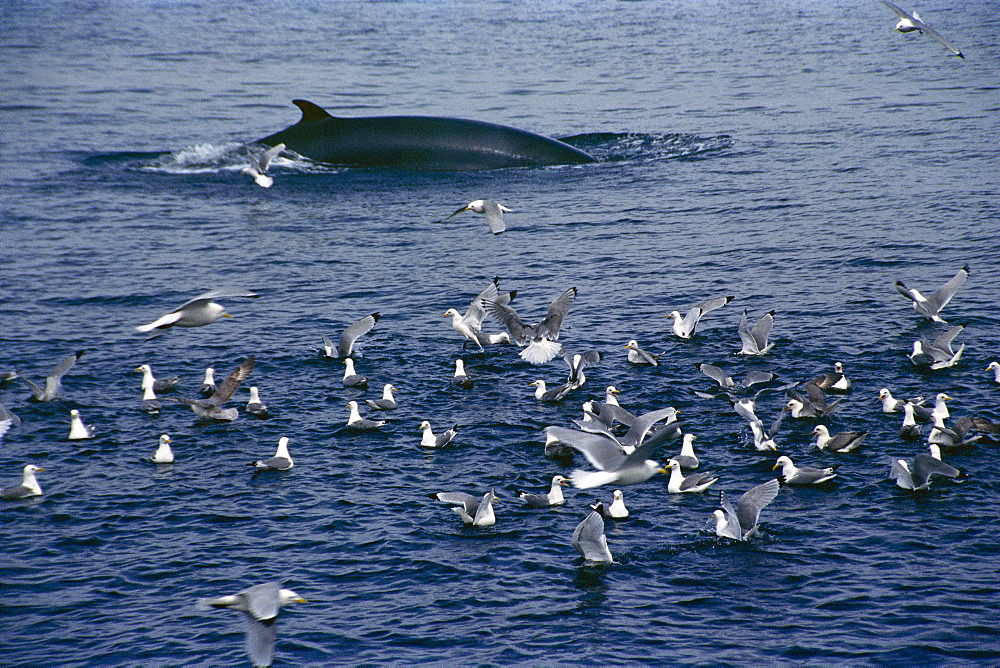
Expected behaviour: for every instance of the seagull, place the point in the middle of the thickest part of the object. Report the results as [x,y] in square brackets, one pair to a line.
[345,345]
[163,453]
[208,388]
[607,455]
[281,461]
[432,440]
[930,307]
[159,385]
[461,379]
[685,326]
[355,421]
[617,510]
[726,382]
[351,377]
[679,483]
[474,510]
[7,420]
[211,408]
[259,164]
[577,363]
[843,441]
[77,430]
[939,354]
[806,475]
[494,213]
[755,340]
[260,605]
[835,381]
[940,410]
[811,404]
[687,459]
[255,406]
[53,382]
[954,436]
[910,431]
[763,441]
[589,539]
[637,355]
[741,523]
[554,497]
[29,485]
[995,368]
[538,341]
[910,22]
[891,404]
[543,393]
[470,324]
[201,310]
[925,467]
[150,404]
[387,402]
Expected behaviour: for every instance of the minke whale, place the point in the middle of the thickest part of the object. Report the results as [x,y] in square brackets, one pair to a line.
[426,143]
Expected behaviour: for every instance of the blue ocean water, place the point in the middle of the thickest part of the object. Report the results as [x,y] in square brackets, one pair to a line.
[800,156]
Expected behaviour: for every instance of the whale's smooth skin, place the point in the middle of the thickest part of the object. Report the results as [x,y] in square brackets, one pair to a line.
[425,143]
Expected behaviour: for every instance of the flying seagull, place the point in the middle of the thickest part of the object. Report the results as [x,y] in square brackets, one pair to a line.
[259,164]
[494,213]
[538,341]
[931,306]
[470,324]
[211,408]
[53,382]
[260,605]
[910,22]
[202,310]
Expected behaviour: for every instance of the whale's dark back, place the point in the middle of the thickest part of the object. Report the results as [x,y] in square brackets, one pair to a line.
[419,142]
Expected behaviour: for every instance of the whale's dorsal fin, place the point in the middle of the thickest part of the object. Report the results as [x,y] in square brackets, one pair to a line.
[311,112]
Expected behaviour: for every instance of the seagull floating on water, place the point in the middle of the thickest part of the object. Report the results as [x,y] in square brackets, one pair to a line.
[79,431]
[207,387]
[637,355]
[474,510]
[355,421]
[260,605]
[280,461]
[197,312]
[679,483]
[150,404]
[554,497]
[351,377]
[995,368]
[461,379]
[387,402]
[802,475]
[159,384]
[925,468]
[431,440]
[163,453]
[938,354]
[29,485]
[843,441]
[909,22]
[255,406]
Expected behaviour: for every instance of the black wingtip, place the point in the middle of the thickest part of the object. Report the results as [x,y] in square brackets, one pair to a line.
[376,315]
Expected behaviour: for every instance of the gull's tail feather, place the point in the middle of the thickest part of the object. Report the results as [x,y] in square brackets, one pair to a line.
[540,352]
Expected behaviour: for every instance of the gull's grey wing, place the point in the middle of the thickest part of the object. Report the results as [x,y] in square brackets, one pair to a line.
[475,313]
[638,431]
[712,304]
[646,449]
[351,334]
[456,499]
[900,472]
[743,329]
[7,420]
[494,217]
[933,34]
[590,541]
[64,365]
[610,414]
[762,330]
[260,638]
[267,156]
[557,311]
[230,384]
[943,341]
[508,318]
[219,294]
[601,452]
[452,215]
[901,13]
[716,374]
[734,530]
[753,501]
[925,466]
